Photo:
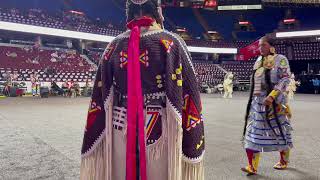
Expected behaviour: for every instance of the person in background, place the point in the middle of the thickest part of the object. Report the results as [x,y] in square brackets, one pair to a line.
[8,83]
[75,89]
[15,76]
[38,84]
[267,122]
[86,88]
[33,80]
[65,89]
[316,85]
[70,88]
[78,89]
[228,85]
[292,87]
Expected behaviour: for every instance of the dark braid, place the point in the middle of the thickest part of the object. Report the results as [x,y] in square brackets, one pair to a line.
[249,104]
[274,105]
[268,81]
[150,8]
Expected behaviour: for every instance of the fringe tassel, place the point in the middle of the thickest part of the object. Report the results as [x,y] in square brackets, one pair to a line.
[154,151]
[109,127]
[98,164]
[93,166]
[174,131]
[193,171]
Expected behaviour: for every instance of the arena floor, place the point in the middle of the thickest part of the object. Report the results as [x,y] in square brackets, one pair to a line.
[41,139]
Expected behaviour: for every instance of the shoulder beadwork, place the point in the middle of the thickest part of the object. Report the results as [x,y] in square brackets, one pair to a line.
[282,61]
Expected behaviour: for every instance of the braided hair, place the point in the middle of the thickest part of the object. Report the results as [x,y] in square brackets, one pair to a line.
[249,104]
[149,8]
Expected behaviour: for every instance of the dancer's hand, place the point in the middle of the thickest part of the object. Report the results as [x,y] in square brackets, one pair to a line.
[288,111]
[268,101]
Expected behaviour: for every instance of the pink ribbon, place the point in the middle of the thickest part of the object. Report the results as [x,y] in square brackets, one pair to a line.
[135,117]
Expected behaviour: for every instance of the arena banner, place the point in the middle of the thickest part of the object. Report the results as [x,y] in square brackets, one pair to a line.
[248,52]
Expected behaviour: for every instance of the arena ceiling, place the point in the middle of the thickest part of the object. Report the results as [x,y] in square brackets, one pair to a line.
[264,21]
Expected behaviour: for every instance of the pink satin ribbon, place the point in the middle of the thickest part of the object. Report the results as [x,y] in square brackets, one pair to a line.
[135,104]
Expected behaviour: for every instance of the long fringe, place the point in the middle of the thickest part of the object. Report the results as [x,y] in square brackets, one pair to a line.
[93,166]
[174,143]
[109,126]
[248,106]
[98,164]
[154,151]
[193,171]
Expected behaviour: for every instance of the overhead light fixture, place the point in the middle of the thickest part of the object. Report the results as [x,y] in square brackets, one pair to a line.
[244,22]
[212,32]
[76,12]
[213,50]
[181,29]
[298,34]
[289,20]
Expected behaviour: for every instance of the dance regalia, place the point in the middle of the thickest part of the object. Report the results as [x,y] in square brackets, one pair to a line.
[172,123]
[228,85]
[268,128]
[34,85]
[292,88]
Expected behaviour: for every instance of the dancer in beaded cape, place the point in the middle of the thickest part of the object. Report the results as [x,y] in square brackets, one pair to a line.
[144,120]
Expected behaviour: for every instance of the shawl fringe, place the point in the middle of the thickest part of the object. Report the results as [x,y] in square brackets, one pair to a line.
[93,166]
[155,151]
[192,171]
[175,133]
[98,164]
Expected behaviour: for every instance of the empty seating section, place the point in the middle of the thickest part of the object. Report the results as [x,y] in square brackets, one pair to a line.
[48,64]
[306,51]
[95,56]
[281,49]
[208,73]
[70,66]
[44,20]
[242,70]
